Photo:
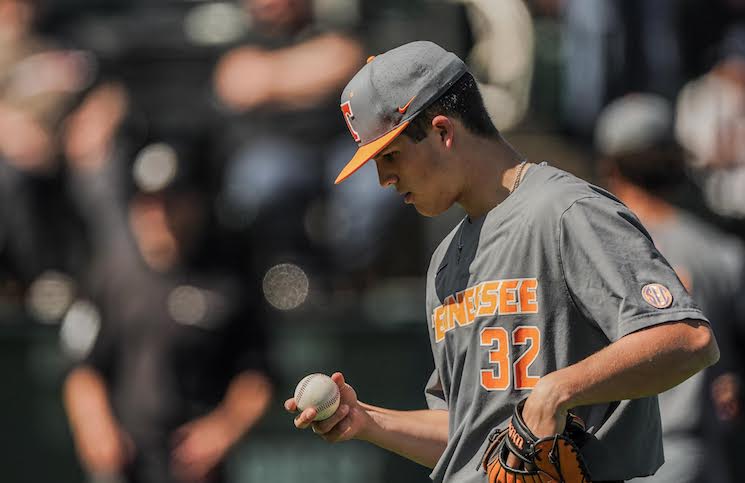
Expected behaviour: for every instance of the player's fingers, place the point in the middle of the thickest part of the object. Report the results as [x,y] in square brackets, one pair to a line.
[323,427]
[338,378]
[514,462]
[291,405]
[305,418]
[340,432]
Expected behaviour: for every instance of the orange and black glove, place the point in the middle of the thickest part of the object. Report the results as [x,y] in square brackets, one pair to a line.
[554,459]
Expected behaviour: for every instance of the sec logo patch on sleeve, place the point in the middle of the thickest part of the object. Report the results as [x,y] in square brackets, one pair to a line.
[657,295]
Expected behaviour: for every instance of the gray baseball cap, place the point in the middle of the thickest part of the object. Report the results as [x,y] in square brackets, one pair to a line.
[388,92]
[634,123]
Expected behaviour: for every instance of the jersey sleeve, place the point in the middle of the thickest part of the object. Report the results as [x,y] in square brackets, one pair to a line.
[434,393]
[613,272]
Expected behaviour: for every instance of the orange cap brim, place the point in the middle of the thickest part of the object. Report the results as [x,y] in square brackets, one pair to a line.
[368,151]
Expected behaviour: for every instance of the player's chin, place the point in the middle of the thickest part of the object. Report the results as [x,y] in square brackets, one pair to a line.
[430,209]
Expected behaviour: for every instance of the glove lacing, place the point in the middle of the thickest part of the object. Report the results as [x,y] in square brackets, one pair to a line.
[553,458]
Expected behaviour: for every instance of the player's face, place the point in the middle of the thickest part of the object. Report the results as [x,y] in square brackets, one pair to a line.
[155,238]
[420,172]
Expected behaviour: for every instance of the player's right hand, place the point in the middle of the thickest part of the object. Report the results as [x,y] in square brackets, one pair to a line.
[349,421]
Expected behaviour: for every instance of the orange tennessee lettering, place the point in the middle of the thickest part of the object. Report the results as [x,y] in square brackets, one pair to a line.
[489,298]
[508,297]
[449,304]
[457,311]
[503,297]
[469,301]
[439,322]
[528,297]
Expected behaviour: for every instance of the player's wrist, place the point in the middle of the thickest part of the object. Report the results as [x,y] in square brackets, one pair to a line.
[554,393]
[372,425]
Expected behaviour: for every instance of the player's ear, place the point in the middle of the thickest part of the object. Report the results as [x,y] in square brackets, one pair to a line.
[444,128]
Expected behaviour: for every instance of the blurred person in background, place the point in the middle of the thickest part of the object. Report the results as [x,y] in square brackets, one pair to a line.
[644,167]
[592,38]
[710,124]
[282,86]
[39,84]
[502,57]
[177,372]
[613,47]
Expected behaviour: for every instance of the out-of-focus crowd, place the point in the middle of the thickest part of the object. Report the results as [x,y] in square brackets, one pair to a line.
[166,190]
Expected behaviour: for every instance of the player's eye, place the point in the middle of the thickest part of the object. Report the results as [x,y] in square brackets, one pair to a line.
[390,157]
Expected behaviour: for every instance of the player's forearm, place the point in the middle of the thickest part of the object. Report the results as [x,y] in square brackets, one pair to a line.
[245,402]
[86,401]
[314,69]
[420,436]
[640,364]
[100,443]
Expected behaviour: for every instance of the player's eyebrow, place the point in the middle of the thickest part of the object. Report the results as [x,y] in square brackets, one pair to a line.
[386,151]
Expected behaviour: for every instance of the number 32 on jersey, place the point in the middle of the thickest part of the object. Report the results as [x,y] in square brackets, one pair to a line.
[500,345]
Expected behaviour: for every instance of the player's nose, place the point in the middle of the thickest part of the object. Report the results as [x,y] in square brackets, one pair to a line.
[386,178]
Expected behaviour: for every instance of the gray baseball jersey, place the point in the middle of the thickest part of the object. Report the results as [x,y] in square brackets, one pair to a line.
[557,271]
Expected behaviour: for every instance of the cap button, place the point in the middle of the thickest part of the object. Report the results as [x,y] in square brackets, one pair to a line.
[369,59]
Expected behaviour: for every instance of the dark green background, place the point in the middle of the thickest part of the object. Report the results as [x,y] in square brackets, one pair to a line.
[388,365]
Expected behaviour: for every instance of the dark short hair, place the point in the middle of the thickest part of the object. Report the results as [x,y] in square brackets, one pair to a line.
[658,169]
[463,101]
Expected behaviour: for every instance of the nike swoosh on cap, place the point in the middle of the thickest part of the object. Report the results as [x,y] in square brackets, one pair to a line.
[403,109]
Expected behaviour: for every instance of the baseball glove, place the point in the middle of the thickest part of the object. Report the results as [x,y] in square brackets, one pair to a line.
[554,459]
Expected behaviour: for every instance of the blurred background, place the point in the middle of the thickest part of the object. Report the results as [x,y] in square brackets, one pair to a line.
[174,257]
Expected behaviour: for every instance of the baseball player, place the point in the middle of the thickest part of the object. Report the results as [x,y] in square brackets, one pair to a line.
[549,293]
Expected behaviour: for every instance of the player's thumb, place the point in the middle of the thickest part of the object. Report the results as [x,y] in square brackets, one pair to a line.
[338,378]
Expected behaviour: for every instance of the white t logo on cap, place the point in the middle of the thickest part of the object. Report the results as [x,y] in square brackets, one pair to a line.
[346,108]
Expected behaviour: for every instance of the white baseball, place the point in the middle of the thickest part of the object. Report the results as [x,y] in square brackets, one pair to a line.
[318,391]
